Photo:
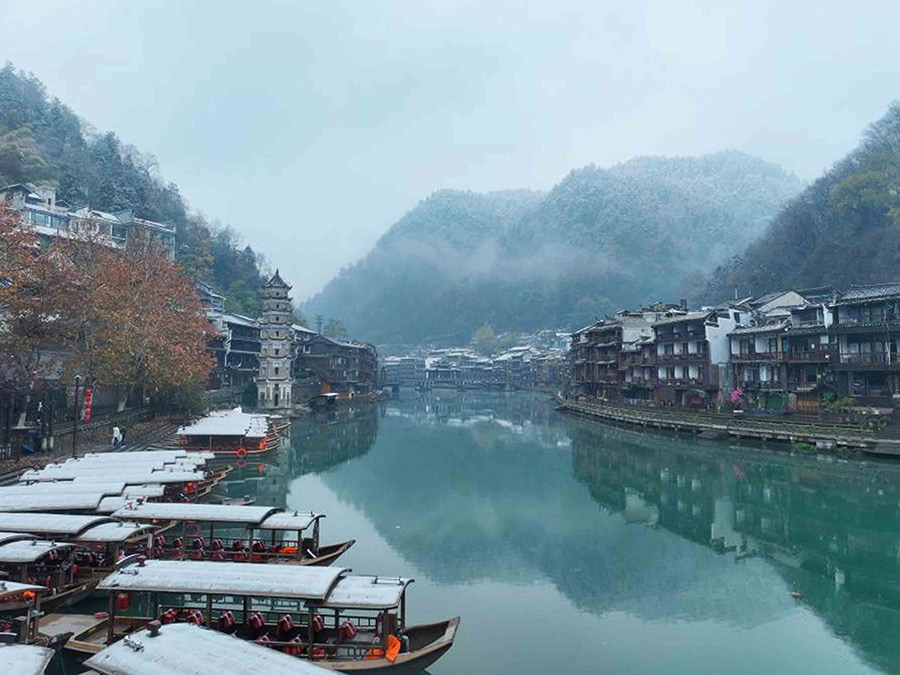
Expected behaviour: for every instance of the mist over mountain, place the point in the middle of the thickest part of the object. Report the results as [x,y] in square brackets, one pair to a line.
[601,239]
[842,229]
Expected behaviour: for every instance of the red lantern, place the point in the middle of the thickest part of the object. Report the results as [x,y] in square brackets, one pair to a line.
[123,601]
[88,402]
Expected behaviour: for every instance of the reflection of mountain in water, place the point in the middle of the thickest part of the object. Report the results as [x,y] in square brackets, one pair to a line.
[482,495]
[829,527]
[326,439]
[482,488]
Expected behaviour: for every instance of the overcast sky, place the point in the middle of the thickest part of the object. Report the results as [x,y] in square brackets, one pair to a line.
[313,126]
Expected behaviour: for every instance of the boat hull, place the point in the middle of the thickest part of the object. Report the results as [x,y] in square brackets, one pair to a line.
[428,643]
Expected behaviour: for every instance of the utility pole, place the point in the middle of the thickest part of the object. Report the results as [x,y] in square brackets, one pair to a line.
[77,415]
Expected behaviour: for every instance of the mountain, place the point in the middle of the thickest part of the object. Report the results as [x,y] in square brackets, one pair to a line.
[43,142]
[842,229]
[522,260]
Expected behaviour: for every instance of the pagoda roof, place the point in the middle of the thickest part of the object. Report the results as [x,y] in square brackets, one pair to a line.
[277,282]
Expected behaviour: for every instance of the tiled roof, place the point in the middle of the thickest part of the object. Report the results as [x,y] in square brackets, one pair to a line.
[869,292]
[690,316]
[767,328]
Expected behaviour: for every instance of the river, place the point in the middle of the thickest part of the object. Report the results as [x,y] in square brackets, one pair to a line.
[572,546]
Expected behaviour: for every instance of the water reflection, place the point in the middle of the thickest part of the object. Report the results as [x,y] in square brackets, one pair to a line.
[500,489]
[828,526]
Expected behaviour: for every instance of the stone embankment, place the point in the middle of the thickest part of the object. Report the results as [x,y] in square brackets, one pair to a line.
[817,433]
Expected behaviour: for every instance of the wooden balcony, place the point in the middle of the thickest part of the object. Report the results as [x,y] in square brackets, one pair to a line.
[866,361]
[747,357]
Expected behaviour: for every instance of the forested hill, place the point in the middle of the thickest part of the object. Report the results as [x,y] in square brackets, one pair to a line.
[43,142]
[843,229]
[599,240]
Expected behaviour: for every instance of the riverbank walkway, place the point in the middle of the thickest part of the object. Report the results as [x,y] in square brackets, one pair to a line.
[819,433]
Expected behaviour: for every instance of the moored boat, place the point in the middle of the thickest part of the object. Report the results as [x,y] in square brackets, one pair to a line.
[231,435]
[222,532]
[349,623]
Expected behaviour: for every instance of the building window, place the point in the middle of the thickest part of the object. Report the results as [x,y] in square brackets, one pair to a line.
[276,370]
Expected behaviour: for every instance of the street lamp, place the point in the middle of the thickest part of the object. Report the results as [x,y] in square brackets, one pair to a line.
[75,424]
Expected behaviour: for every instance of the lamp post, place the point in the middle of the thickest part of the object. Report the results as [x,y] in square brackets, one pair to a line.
[77,415]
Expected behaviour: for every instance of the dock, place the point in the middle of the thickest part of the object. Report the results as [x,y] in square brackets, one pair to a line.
[820,434]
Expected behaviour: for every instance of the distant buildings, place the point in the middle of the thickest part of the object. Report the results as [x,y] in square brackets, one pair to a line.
[53,218]
[788,350]
[288,362]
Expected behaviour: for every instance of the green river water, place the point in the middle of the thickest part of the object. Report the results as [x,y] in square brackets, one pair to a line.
[572,546]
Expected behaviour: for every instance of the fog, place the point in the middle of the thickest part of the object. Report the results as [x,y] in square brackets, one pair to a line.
[311,127]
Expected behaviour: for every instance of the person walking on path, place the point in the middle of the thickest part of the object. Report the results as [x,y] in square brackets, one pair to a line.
[122,433]
[117,437]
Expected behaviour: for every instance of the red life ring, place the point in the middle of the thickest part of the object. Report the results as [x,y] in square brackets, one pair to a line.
[241,463]
[241,452]
[192,529]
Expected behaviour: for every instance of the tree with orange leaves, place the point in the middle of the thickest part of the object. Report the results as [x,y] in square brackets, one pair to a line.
[140,320]
[82,305]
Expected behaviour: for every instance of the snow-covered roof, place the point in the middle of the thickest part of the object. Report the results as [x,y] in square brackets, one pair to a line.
[109,505]
[6,537]
[11,588]
[228,423]
[204,576]
[66,501]
[49,523]
[367,592]
[151,490]
[289,520]
[135,476]
[215,513]
[29,550]
[25,659]
[114,532]
[165,455]
[185,649]
[62,487]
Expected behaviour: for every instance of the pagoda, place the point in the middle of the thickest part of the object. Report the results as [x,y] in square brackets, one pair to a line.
[274,381]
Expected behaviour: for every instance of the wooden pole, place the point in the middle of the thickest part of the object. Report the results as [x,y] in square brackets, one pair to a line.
[111,625]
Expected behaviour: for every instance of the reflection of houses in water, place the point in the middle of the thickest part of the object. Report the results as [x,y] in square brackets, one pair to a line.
[828,527]
[328,438]
[526,415]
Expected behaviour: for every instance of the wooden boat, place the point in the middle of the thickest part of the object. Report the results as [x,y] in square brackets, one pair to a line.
[231,435]
[349,623]
[50,564]
[101,540]
[23,651]
[184,649]
[223,532]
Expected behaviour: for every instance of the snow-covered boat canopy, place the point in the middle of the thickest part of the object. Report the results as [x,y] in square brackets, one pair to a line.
[25,659]
[6,537]
[228,423]
[367,592]
[290,520]
[113,533]
[136,476]
[29,551]
[185,649]
[303,582]
[50,523]
[258,517]
[140,473]
[9,589]
[67,501]
[61,487]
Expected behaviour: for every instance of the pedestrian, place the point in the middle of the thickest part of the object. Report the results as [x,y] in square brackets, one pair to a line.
[122,433]
[117,436]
